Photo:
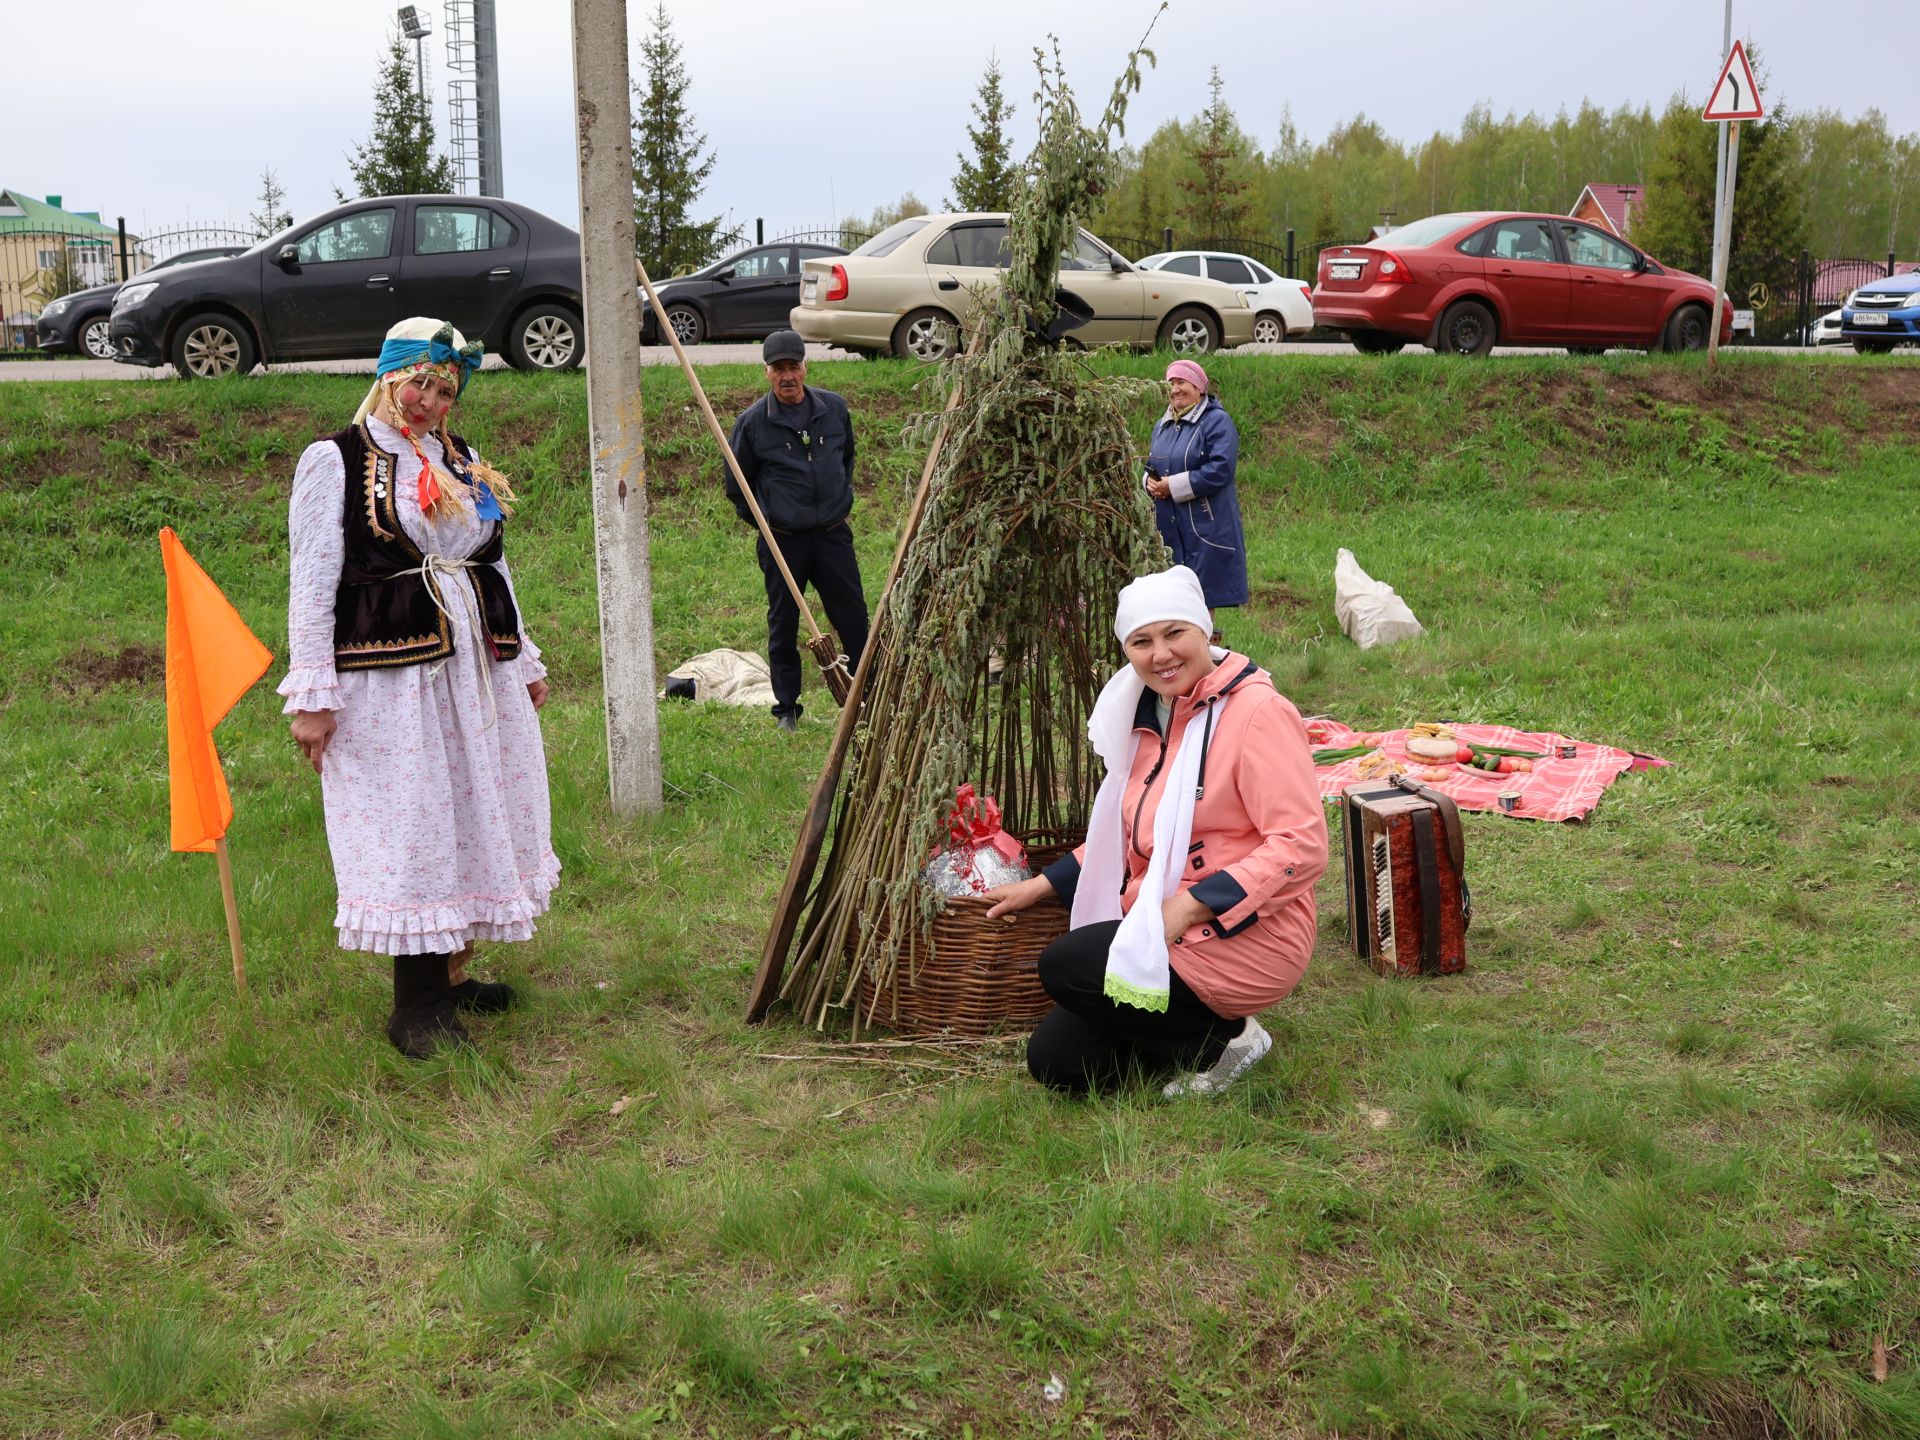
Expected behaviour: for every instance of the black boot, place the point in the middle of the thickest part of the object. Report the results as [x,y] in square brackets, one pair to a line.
[476,997]
[423,1007]
[482,997]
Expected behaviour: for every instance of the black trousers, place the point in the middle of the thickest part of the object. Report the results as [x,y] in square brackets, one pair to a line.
[1089,1042]
[825,560]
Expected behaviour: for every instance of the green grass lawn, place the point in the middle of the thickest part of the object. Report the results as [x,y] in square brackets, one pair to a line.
[1646,1169]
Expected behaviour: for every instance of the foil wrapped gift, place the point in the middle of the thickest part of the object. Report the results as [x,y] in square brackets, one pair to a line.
[981,855]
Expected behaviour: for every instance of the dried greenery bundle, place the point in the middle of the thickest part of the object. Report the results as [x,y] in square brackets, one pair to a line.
[1033,522]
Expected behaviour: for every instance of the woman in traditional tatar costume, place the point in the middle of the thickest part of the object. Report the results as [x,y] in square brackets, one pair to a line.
[413,686]
[1192,899]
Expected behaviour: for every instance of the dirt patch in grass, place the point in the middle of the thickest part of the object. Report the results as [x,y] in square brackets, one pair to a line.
[1870,405]
[130,447]
[1276,596]
[89,671]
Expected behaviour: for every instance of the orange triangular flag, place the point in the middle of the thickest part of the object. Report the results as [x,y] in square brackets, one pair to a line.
[212,660]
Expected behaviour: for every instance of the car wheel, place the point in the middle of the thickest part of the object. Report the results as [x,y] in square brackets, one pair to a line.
[1687,329]
[926,335]
[1872,347]
[687,325]
[96,337]
[546,337]
[1467,329]
[1268,328]
[1375,342]
[210,346]
[1188,332]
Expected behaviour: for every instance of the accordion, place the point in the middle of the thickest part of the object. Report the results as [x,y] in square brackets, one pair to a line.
[1408,905]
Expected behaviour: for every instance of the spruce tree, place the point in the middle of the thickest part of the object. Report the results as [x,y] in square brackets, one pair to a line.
[671,164]
[1675,221]
[398,158]
[272,216]
[990,179]
[1219,201]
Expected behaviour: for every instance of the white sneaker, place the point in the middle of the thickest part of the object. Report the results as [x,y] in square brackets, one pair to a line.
[1242,1052]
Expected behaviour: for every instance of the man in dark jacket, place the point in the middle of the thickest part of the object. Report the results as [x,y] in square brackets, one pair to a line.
[795,446]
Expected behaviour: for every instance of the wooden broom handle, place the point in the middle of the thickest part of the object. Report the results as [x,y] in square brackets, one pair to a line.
[726,449]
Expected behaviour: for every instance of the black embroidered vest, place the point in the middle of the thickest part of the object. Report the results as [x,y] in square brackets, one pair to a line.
[382,616]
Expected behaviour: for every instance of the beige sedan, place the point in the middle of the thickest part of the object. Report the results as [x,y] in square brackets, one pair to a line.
[905,291]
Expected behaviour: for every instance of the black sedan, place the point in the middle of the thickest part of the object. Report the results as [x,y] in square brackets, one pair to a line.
[79,322]
[331,287]
[743,297]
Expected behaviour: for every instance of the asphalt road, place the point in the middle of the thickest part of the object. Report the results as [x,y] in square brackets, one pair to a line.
[747,354]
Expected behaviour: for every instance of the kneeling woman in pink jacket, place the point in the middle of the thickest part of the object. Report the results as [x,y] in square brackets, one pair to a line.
[1209,810]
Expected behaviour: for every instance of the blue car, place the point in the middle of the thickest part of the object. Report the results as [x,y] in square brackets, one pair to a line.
[1884,314]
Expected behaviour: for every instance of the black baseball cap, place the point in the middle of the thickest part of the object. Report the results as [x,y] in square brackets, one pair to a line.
[783,345]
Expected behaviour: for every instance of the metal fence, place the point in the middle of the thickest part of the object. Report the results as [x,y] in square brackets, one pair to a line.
[1787,294]
[843,236]
[42,261]
[1282,254]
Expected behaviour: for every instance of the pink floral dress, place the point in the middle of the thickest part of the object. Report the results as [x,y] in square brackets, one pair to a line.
[435,782]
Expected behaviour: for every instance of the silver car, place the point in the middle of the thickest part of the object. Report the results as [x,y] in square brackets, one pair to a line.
[906,291]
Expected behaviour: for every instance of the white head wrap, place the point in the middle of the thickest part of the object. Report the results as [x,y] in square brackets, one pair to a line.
[1173,594]
[1137,964]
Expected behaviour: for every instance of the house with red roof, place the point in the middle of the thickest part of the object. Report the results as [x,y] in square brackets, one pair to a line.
[1608,206]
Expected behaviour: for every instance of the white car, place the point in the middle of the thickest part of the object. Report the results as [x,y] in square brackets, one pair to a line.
[1826,330]
[1282,308]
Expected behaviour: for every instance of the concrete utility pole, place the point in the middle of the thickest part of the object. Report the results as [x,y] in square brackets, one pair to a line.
[615,429]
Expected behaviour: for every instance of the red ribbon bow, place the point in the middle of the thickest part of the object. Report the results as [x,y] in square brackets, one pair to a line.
[429,485]
[975,821]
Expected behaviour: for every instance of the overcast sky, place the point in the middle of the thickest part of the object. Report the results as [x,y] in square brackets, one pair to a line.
[820,110]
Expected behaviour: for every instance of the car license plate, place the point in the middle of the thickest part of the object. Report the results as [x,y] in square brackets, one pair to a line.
[807,288]
[1344,272]
[1861,317]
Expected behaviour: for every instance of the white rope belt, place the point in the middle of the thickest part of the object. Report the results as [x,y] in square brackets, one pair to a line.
[432,565]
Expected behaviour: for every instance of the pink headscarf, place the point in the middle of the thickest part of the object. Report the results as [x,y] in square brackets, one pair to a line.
[1188,371]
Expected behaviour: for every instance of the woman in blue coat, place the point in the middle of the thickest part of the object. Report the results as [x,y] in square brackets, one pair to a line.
[1190,471]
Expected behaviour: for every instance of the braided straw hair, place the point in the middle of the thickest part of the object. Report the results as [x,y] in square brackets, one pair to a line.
[458,479]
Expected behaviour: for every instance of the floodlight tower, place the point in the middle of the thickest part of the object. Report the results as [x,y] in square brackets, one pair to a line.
[473,95]
[416,27]
[486,55]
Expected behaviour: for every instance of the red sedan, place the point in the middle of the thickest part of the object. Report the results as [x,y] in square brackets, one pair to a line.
[1463,283]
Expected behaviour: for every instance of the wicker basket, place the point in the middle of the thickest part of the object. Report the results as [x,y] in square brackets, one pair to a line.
[980,976]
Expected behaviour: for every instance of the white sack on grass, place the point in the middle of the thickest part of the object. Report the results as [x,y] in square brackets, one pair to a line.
[727,677]
[1369,610]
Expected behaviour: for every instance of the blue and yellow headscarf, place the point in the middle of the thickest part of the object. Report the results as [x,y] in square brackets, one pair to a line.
[422,345]
[445,350]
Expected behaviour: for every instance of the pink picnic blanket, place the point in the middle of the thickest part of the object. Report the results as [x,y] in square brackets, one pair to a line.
[1557,789]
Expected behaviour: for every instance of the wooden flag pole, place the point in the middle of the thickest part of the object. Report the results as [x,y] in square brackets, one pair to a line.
[233,918]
